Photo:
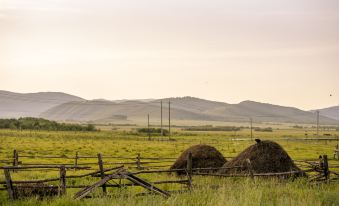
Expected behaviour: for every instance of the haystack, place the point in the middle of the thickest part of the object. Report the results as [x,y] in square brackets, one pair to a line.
[203,156]
[264,156]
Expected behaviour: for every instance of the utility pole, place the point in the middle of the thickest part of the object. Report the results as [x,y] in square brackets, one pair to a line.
[251,128]
[149,132]
[169,119]
[162,131]
[318,123]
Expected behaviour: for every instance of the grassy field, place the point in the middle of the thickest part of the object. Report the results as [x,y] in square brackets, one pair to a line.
[207,190]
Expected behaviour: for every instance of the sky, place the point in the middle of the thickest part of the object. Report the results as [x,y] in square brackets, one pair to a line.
[283,52]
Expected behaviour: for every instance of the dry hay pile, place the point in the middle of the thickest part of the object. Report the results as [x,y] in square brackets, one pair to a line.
[264,156]
[203,156]
[36,190]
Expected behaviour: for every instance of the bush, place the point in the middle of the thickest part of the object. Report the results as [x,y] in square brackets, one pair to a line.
[153,131]
[268,129]
[211,128]
[297,127]
[30,123]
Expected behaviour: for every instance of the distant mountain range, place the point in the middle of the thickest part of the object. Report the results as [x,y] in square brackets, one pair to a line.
[61,106]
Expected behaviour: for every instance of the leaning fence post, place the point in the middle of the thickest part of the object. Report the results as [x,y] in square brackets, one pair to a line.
[9,185]
[189,169]
[62,186]
[138,162]
[102,172]
[326,171]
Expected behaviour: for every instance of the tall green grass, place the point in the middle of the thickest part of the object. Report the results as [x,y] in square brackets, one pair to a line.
[207,190]
[257,192]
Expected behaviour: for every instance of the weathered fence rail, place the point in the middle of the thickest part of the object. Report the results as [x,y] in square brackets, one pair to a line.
[139,161]
[319,170]
[59,183]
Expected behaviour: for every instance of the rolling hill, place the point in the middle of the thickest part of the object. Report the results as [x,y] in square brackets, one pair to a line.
[185,108]
[15,105]
[100,110]
[331,112]
[61,106]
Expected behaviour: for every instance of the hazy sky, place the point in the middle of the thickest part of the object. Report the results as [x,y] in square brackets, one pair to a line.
[278,51]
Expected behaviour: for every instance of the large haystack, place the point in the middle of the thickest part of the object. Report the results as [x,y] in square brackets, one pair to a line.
[265,157]
[203,156]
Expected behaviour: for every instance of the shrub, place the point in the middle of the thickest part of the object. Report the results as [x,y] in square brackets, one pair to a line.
[268,129]
[211,128]
[153,131]
[30,123]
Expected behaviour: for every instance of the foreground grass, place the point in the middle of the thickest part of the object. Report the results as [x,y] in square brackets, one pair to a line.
[129,144]
[207,190]
[230,192]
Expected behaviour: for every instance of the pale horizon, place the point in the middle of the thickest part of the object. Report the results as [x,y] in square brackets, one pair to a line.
[281,52]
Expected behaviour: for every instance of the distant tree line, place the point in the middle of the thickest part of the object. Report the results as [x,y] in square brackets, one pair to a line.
[298,127]
[259,129]
[212,128]
[156,131]
[329,128]
[30,123]
[326,128]
[225,128]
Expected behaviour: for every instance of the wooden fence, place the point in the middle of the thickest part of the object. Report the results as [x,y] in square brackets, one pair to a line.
[13,186]
[17,164]
[336,152]
[138,161]
[317,171]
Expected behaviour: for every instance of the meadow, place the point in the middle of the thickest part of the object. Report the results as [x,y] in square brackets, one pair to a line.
[206,190]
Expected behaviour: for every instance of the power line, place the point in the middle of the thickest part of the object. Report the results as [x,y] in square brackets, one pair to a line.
[169,119]
[148,129]
[251,121]
[317,122]
[162,132]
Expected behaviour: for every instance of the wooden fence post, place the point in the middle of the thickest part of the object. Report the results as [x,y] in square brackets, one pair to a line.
[189,169]
[9,185]
[326,170]
[62,186]
[102,172]
[15,158]
[138,162]
[76,160]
